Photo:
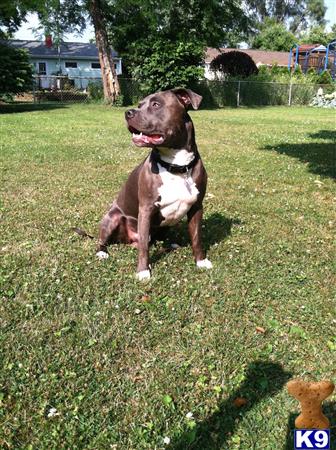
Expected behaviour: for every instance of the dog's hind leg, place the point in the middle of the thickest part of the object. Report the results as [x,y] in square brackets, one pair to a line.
[131,231]
[108,227]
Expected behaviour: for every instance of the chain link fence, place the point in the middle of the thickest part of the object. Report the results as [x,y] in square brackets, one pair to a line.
[256,93]
[61,89]
[64,89]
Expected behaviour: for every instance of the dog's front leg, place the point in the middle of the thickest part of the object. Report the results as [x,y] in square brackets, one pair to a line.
[144,219]
[194,227]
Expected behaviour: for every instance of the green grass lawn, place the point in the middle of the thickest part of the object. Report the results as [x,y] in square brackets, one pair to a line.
[122,362]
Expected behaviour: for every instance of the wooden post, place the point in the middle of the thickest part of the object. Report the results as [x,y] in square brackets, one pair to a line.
[238,94]
[290,94]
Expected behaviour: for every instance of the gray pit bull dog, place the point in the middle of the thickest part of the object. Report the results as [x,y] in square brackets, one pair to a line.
[167,186]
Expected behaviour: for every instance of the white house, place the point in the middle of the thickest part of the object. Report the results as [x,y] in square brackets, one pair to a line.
[79,61]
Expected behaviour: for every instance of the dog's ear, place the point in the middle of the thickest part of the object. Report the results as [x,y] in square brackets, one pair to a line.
[187,97]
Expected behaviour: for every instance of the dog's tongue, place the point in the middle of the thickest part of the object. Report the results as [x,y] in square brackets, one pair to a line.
[145,139]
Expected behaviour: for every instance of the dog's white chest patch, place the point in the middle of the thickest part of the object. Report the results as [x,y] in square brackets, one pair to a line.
[178,193]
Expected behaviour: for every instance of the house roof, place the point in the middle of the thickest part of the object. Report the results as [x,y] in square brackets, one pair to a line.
[305,48]
[259,56]
[69,50]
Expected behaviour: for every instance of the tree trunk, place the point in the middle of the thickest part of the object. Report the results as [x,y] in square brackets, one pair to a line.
[109,74]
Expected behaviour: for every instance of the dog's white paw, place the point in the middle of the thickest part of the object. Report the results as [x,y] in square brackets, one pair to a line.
[143,275]
[204,264]
[102,255]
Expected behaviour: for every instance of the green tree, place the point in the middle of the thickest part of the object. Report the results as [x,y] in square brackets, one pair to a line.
[274,36]
[97,12]
[15,71]
[13,13]
[318,35]
[58,17]
[166,64]
[296,14]
[162,43]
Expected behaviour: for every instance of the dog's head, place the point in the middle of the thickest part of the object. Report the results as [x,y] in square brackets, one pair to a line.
[161,119]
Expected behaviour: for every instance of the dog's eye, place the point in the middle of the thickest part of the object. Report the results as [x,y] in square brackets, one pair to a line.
[156,104]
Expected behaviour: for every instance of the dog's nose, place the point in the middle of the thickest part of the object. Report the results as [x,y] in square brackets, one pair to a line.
[130,113]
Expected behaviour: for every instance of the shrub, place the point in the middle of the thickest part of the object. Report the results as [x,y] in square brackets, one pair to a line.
[15,71]
[165,64]
[325,77]
[95,90]
[234,63]
[120,101]
[130,90]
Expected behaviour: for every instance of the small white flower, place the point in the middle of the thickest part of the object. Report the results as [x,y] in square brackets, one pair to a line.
[166,440]
[189,415]
[52,412]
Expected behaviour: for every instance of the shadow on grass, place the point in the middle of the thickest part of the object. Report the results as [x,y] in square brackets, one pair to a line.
[262,380]
[329,409]
[329,135]
[320,156]
[29,107]
[215,228]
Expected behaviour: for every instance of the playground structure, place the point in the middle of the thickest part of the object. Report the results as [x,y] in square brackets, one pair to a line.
[314,56]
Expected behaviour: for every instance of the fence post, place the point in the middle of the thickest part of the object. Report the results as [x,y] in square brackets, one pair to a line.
[34,89]
[290,94]
[238,94]
[61,86]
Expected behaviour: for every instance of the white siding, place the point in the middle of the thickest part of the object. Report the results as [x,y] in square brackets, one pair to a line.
[83,70]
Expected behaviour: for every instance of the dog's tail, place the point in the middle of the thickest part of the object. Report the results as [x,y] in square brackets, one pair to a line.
[81,232]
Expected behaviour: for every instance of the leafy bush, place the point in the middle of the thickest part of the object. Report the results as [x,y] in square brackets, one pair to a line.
[131,92]
[120,101]
[278,74]
[325,77]
[95,90]
[234,63]
[15,71]
[166,64]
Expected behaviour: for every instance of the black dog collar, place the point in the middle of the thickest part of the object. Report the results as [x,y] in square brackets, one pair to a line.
[173,168]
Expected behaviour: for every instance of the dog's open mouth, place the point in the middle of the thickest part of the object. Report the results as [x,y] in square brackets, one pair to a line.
[142,139]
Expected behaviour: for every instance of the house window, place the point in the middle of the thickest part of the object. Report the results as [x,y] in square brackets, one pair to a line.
[42,68]
[95,65]
[70,65]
